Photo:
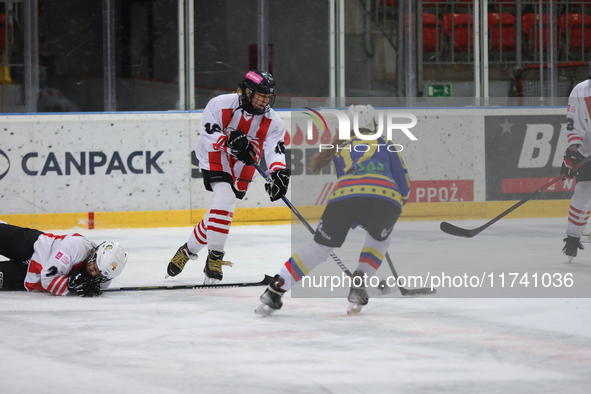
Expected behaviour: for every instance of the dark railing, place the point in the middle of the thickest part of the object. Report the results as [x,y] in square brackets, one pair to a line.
[446,29]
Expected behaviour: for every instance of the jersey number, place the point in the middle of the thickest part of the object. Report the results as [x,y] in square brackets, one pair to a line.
[209,129]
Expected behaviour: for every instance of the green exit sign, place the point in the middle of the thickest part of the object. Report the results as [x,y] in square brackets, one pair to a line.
[439,90]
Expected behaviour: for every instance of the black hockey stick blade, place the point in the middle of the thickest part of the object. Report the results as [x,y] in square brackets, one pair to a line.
[414,292]
[404,291]
[267,280]
[466,233]
[458,231]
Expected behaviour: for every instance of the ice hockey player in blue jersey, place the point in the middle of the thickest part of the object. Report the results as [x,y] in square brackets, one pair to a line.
[373,185]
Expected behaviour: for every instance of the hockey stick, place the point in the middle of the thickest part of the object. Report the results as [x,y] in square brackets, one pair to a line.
[404,291]
[268,279]
[304,221]
[467,233]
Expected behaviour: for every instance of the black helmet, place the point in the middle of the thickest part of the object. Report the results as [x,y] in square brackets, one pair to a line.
[257,81]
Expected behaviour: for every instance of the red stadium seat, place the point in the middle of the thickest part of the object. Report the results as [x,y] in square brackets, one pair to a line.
[531,30]
[576,31]
[501,29]
[432,33]
[459,30]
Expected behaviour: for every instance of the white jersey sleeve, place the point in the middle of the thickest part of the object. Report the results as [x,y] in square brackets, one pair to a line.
[577,115]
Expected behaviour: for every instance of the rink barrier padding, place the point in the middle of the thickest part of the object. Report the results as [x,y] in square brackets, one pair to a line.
[279,215]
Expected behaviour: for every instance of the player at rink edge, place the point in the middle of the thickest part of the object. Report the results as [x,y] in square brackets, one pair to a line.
[372,187]
[60,264]
[578,148]
[235,130]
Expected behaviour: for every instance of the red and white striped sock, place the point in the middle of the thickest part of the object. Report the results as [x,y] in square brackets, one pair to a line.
[198,238]
[219,216]
[577,220]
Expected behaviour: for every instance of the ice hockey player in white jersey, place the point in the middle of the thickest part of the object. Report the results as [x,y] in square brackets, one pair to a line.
[60,264]
[579,147]
[236,129]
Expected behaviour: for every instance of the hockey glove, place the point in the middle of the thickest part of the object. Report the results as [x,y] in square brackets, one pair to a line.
[84,286]
[241,147]
[277,186]
[570,161]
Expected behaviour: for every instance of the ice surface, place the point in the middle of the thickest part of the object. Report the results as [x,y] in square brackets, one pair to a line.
[206,341]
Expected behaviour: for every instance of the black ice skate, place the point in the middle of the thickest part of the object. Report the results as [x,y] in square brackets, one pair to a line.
[271,298]
[358,296]
[213,267]
[179,260]
[571,247]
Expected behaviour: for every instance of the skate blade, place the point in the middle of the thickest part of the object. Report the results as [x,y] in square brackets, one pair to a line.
[354,309]
[264,310]
[210,281]
[570,259]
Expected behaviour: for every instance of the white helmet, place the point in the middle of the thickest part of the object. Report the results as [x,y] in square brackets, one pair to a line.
[110,259]
[365,115]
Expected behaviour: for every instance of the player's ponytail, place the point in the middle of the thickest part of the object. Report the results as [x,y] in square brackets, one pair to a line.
[324,157]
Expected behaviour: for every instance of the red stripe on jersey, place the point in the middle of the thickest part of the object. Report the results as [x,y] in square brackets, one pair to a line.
[220,212]
[244,124]
[588,103]
[574,138]
[215,161]
[78,266]
[226,117]
[34,286]
[277,165]
[221,142]
[55,236]
[263,129]
[257,149]
[63,286]
[61,236]
[245,177]
[35,267]
[57,285]
[218,230]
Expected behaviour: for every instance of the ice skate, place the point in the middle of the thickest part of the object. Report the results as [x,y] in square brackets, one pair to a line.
[179,260]
[358,296]
[571,247]
[271,298]
[213,267]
